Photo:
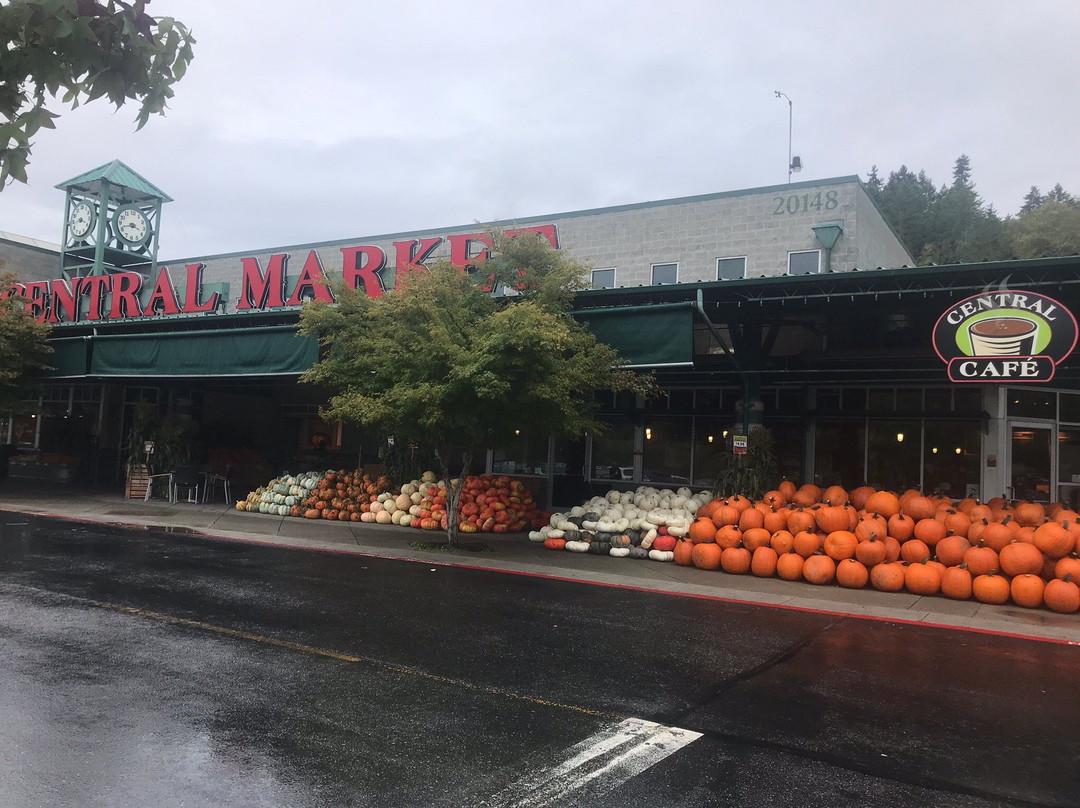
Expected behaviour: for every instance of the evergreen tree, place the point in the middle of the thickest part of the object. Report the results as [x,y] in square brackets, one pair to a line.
[1033,199]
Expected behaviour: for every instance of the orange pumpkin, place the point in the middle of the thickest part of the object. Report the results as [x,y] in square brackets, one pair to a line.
[888,576]
[852,574]
[871,552]
[728,536]
[807,495]
[922,579]
[1062,595]
[789,566]
[702,529]
[991,588]
[918,507]
[840,544]
[787,490]
[775,520]
[859,496]
[871,526]
[800,520]
[930,531]
[754,538]
[1070,565]
[1019,557]
[736,560]
[956,583]
[901,527]
[763,562]
[806,543]
[835,495]
[705,556]
[819,569]
[981,560]
[914,551]
[781,541]
[1027,590]
[950,550]
[1030,514]
[995,535]
[1054,539]
[884,502]
[751,518]
[684,551]
[830,518]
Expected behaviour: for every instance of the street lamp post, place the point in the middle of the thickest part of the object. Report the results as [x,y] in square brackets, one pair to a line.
[794,163]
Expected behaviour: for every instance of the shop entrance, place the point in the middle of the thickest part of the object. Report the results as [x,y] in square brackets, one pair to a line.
[1031,461]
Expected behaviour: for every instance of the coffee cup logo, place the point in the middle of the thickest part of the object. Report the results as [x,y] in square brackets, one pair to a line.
[1004,336]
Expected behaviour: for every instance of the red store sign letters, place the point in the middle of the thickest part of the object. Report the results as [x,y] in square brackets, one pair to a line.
[124,294]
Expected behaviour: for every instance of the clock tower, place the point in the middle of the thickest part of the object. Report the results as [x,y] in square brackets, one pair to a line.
[111,223]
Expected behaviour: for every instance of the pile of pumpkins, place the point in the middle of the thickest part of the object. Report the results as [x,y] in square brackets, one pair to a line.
[645,523]
[282,495]
[993,552]
[489,504]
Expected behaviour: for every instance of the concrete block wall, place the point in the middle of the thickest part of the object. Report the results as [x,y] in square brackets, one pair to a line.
[763,225]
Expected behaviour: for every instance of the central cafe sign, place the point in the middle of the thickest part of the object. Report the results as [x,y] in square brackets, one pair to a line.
[130,294]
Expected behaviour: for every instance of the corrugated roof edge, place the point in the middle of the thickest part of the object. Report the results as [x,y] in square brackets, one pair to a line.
[528,219]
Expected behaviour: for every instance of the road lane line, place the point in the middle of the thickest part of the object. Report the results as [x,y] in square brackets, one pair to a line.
[601,763]
[391,667]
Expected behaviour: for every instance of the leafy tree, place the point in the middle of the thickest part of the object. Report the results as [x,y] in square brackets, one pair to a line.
[88,50]
[23,349]
[442,363]
[1051,229]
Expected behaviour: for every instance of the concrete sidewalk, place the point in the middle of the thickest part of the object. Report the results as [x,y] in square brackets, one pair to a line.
[515,553]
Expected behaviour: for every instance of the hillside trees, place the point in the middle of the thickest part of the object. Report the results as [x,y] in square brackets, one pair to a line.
[952,224]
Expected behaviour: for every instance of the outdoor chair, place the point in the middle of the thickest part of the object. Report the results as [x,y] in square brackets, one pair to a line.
[212,479]
[190,480]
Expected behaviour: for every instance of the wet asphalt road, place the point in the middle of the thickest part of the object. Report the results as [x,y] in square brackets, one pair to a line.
[141,668]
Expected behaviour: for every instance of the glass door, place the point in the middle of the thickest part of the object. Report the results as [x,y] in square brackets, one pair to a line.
[1031,461]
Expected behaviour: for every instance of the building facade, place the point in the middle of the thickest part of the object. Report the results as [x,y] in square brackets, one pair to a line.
[794,307]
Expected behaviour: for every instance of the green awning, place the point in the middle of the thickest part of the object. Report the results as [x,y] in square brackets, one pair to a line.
[645,336]
[68,357]
[262,351]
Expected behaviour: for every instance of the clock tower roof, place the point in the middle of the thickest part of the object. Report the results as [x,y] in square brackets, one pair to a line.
[135,188]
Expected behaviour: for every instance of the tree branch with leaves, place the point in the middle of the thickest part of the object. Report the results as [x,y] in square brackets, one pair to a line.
[81,50]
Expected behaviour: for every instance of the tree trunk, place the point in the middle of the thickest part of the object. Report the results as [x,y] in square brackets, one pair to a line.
[453,493]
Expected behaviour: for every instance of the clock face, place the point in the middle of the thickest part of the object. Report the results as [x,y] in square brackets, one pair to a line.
[131,226]
[82,219]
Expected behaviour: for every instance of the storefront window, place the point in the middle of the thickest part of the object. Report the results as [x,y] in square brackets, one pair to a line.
[937,399]
[838,452]
[788,436]
[893,455]
[711,441]
[525,454]
[1070,407]
[951,457]
[882,400]
[909,400]
[1032,403]
[613,451]
[666,460]
[1069,466]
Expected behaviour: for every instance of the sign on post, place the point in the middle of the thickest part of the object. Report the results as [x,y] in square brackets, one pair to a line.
[738,443]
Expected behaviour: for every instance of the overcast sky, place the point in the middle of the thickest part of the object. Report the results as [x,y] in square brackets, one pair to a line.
[317,121]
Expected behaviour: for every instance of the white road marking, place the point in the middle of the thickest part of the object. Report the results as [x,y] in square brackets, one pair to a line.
[602,762]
